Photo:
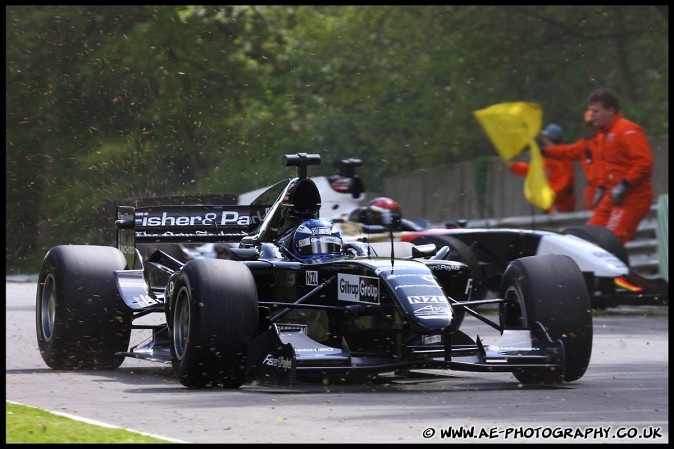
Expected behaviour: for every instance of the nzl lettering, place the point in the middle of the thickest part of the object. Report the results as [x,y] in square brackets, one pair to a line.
[312,277]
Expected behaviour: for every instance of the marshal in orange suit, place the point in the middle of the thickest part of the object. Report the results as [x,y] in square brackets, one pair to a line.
[625,187]
[560,173]
[585,150]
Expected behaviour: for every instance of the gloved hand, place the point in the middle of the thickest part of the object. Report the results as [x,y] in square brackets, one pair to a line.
[598,195]
[618,192]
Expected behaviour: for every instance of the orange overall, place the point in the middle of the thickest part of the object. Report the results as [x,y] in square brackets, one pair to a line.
[561,176]
[626,155]
[587,152]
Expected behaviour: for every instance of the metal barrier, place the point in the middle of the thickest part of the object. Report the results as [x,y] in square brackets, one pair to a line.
[662,235]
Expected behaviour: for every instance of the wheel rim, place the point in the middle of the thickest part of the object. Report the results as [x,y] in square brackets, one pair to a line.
[181,323]
[48,307]
[515,312]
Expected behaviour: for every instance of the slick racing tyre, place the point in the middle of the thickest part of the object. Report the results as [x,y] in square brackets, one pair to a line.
[81,320]
[459,252]
[602,237]
[214,315]
[550,289]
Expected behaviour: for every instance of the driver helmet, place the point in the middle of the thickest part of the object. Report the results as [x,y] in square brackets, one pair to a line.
[383,211]
[316,239]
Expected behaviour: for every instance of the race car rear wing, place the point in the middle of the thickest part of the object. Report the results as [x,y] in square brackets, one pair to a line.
[202,223]
[293,200]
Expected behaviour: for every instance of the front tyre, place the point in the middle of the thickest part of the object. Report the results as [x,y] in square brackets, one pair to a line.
[550,289]
[213,317]
[81,321]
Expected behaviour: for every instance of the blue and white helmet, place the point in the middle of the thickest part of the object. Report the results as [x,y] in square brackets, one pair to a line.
[316,239]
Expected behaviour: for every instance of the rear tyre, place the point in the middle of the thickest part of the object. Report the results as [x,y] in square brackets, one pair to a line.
[460,252]
[602,237]
[214,314]
[550,289]
[81,320]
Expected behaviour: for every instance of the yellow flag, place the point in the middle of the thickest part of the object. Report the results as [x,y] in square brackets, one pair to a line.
[511,127]
[537,189]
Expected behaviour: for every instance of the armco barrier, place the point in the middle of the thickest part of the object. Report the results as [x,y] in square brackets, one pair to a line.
[662,235]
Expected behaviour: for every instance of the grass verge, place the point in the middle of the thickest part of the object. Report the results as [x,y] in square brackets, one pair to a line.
[24,425]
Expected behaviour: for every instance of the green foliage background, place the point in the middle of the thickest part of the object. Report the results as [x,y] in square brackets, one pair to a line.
[109,102]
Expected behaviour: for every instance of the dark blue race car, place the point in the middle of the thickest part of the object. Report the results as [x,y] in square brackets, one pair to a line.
[293,299]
